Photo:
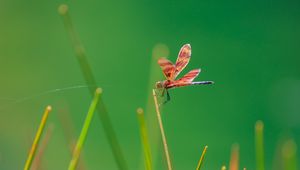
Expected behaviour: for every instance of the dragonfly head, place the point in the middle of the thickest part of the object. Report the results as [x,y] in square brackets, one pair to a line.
[159,84]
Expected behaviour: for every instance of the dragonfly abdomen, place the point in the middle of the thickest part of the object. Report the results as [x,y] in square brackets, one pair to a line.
[202,82]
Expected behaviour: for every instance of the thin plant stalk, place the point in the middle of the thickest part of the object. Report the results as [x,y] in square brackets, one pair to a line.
[37,138]
[259,145]
[144,138]
[161,127]
[201,158]
[68,129]
[90,80]
[234,159]
[84,130]
[38,159]
[289,155]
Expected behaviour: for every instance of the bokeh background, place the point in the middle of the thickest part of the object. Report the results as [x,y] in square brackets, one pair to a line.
[249,48]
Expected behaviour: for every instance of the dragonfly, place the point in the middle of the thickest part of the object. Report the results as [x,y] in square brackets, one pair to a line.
[171,71]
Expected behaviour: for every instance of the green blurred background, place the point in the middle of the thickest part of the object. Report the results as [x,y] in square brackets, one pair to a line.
[249,48]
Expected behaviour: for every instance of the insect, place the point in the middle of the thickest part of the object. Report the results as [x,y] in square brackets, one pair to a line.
[171,71]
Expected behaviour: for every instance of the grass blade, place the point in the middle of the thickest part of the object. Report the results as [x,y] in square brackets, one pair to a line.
[37,139]
[38,159]
[234,159]
[144,138]
[84,130]
[259,145]
[68,130]
[289,155]
[90,80]
[201,158]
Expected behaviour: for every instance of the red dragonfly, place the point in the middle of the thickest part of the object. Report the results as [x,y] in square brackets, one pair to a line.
[171,71]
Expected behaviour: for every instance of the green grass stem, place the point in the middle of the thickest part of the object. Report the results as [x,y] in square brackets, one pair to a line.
[36,140]
[144,139]
[259,145]
[159,50]
[90,80]
[84,130]
[289,155]
[68,130]
[201,158]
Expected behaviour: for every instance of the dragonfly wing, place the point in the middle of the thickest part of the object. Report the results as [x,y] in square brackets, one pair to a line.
[182,59]
[185,80]
[167,67]
[190,76]
[178,84]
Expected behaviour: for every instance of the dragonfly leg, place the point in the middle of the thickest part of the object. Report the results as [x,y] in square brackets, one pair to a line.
[168,97]
[163,92]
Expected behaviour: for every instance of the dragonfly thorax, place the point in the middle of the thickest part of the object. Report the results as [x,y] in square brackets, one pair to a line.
[162,84]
